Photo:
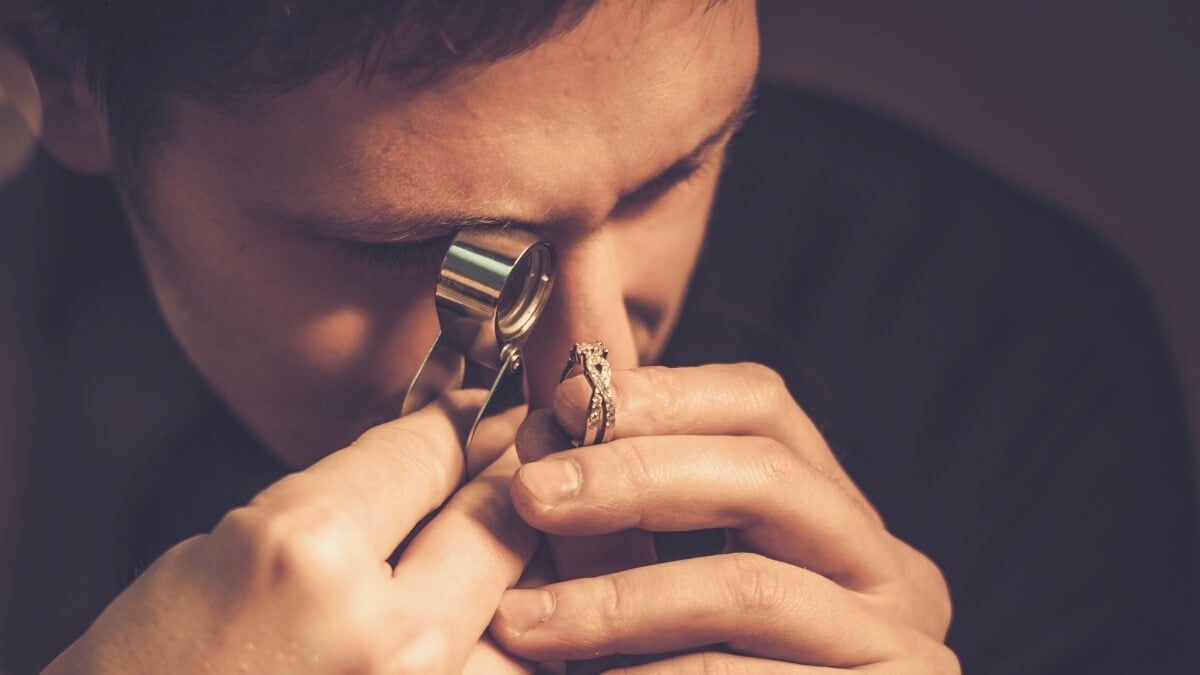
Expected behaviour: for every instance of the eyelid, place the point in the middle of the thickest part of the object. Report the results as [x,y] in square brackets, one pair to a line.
[419,254]
[661,185]
[403,257]
[685,171]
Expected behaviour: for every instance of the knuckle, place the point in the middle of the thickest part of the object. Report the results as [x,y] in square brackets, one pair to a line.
[765,385]
[185,551]
[188,558]
[614,590]
[920,654]
[940,593]
[666,395]
[413,452]
[407,445]
[762,375]
[244,532]
[755,586]
[934,591]
[299,548]
[946,661]
[423,648]
[777,463]
[630,457]
[775,469]
[937,659]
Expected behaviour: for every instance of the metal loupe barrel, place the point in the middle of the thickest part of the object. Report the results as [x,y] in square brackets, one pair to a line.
[491,289]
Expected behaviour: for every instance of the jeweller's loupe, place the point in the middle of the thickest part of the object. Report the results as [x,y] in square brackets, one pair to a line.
[491,289]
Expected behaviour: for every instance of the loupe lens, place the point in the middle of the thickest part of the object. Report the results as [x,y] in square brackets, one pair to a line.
[492,287]
[525,291]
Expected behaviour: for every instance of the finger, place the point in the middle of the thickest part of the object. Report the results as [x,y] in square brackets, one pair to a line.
[744,399]
[539,435]
[493,437]
[380,486]
[459,565]
[539,571]
[577,557]
[488,659]
[750,603]
[722,663]
[777,502]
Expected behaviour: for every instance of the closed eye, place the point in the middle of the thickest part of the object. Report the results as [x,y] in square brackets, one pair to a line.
[656,188]
[404,257]
[661,184]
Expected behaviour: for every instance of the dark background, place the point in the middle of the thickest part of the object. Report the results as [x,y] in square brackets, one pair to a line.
[1091,105]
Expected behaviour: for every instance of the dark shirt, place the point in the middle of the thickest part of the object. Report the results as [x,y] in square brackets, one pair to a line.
[990,374]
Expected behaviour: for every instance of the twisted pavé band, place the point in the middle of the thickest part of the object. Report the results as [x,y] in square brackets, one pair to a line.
[592,359]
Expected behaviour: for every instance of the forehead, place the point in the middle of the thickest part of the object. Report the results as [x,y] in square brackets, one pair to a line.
[573,121]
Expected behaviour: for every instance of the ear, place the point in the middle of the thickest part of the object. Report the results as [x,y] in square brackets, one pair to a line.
[74,129]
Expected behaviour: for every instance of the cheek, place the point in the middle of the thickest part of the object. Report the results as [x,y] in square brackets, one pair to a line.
[336,339]
[282,298]
[658,252]
[303,343]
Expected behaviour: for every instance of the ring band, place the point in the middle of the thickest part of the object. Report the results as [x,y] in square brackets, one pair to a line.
[592,359]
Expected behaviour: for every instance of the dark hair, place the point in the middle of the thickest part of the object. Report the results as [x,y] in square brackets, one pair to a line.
[227,53]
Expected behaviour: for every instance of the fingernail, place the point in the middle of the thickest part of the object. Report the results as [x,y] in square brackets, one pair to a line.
[524,609]
[551,481]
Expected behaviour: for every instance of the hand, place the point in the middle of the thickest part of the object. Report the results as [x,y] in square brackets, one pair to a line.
[298,580]
[811,582]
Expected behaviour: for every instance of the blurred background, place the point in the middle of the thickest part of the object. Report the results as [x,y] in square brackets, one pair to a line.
[1091,105]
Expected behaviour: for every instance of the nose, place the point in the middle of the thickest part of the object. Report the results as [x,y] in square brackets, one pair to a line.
[587,304]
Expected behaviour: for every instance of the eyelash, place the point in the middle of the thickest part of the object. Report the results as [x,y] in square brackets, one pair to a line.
[650,194]
[406,257]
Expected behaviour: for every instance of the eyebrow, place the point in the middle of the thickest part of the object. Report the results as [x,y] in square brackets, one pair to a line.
[392,228]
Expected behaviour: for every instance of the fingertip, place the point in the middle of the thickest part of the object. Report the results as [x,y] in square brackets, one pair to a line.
[528,506]
[464,402]
[520,611]
[540,435]
[551,481]
[571,401]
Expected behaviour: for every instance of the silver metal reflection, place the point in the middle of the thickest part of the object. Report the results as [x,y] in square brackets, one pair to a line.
[490,291]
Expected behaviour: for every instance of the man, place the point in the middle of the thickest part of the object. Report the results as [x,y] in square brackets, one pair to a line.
[291,174]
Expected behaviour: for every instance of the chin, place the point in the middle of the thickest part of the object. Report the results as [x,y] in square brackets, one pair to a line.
[308,438]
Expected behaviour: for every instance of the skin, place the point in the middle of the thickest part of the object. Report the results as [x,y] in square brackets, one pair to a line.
[313,350]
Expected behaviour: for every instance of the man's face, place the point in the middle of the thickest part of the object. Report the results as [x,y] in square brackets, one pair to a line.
[294,252]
